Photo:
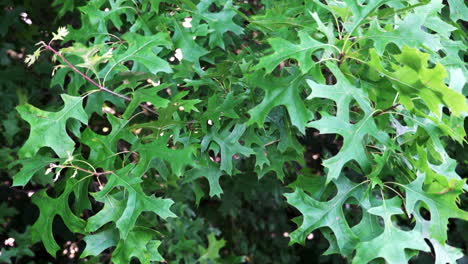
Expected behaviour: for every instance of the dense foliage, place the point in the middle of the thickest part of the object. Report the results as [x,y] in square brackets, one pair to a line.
[221,131]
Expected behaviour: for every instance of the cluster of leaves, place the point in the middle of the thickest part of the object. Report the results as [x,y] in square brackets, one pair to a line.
[166,101]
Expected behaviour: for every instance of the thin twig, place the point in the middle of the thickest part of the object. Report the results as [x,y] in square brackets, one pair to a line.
[95,173]
[48,47]
[385,110]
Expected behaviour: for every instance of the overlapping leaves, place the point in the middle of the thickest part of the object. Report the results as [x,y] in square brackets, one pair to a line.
[223,108]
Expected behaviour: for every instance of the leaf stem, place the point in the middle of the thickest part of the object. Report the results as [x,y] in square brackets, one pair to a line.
[102,88]
[381,112]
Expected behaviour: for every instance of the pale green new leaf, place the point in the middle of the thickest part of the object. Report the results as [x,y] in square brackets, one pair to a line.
[391,244]
[441,205]
[458,10]
[413,78]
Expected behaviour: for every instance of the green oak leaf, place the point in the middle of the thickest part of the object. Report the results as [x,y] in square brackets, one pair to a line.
[177,158]
[221,108]
[442,205]
[146,95]
[136,202]
[229,144]
[96,243]
[218,23]
[412,78]
[96,101]
[114,206]
[211,172]
[381,247]
[104,147]
[48,129]
[29,168]
[283,50]
[458,10]
[408,33]
[139,244]
[143,50]
[184,40]
[48,209]
[343,92]
[280,91]
[359,12]
[444,253]
[211,254]
[317,214]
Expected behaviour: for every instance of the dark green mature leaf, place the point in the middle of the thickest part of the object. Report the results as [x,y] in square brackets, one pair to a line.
[146,95]
[104,147]
[48,129]
[211,173]
[218,23]
[140,244]
[143,50]
[397,113]
[177,157]
[135,203]
[229,145]
[284,50]
[280,91]
[99,242]
[48,209]
[29,168]
[184,40]
[211,254]
[317,214]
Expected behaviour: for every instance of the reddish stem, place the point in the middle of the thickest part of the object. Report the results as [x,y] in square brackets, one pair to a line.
[48,47]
